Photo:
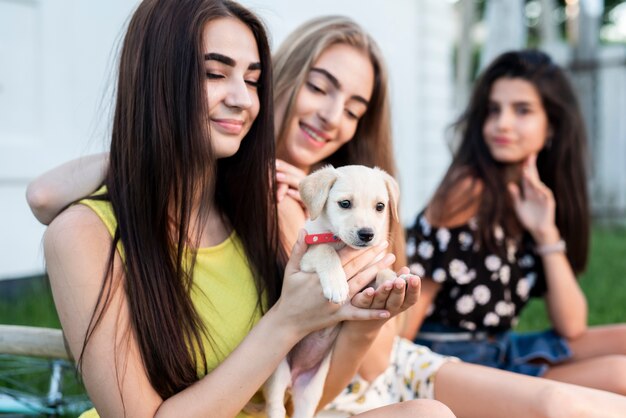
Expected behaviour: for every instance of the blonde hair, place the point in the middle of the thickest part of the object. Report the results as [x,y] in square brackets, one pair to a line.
[372,141]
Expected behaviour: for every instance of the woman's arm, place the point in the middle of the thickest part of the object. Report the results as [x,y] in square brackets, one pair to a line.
[365,347]
[54,190]
[565,300]
[535,208]
[415,315]
[77,245]
[291,218]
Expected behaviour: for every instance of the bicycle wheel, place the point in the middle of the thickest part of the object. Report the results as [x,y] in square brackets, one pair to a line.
[36,376]
[40,387]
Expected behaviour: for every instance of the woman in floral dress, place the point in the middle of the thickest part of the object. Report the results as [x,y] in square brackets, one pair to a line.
[510,221]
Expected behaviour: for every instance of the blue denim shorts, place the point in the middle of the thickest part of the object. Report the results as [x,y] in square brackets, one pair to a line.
[529,353]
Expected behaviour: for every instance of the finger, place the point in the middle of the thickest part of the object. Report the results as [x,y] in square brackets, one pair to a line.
[291,169]
[288,179]
[397,297]
[515,193]
[356,260]
[298,250]
[281,191]
[294,193]
[357,282]
[347,312]
[382,294]
[364,299]
[532,186]
[412,292]
[530,166]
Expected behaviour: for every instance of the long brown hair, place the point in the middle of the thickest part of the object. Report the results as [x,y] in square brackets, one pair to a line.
[372,141]
[162,163]
[561,163]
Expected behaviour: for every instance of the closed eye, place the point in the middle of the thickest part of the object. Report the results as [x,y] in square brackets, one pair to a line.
[315,88]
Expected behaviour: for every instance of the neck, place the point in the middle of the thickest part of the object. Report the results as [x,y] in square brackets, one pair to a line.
[513,173]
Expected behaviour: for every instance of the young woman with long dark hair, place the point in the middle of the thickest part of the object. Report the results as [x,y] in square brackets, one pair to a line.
[509,221]
[169,280]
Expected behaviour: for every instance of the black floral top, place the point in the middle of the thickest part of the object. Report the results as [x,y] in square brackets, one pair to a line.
[480,290]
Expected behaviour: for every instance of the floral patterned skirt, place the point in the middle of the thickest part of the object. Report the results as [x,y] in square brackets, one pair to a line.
[410,375]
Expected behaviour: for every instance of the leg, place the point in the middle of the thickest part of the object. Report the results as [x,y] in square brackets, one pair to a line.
[600,341]
[323,260]
[425,408]
[599,360]
[274,391]
[483,392]
[604,373]
[307,390]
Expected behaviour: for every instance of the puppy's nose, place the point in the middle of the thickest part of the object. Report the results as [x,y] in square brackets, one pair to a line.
[366,234]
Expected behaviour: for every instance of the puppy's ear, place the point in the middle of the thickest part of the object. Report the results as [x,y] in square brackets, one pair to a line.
[315,187]
[393,190]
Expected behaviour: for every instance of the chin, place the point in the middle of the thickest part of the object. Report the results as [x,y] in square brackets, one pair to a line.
[226,152]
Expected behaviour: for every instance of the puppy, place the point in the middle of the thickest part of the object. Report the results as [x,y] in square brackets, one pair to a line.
[353,206]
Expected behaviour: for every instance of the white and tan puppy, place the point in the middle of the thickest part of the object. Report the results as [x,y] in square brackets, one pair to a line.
[352,206]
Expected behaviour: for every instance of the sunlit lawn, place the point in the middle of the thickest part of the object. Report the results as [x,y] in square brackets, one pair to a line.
[603,283]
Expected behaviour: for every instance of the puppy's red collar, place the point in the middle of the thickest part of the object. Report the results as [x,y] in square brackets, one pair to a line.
[320,238]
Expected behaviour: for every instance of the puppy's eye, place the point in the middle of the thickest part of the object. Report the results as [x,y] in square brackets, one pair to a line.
[345,204]
[380,207]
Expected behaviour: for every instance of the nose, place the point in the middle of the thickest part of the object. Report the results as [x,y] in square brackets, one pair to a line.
[330,113]
[504,119]
[238,95]
[366,234]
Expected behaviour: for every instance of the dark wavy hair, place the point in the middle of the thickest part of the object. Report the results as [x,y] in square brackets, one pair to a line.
[561,164]
[162,163]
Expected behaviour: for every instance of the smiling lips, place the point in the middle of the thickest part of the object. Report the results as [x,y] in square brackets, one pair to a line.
[228,126]
[316,137]
[501,140]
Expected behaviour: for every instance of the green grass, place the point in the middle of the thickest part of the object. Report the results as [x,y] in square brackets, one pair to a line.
[603,283]
[27,302]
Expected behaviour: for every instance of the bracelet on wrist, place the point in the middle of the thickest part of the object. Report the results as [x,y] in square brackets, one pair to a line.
[557,247]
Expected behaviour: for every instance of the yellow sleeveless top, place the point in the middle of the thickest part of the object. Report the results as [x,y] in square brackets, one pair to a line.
[223,293]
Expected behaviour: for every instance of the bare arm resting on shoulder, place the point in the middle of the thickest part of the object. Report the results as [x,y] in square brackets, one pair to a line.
[57,188]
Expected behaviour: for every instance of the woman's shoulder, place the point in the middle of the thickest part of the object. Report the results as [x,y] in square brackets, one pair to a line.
[76,232]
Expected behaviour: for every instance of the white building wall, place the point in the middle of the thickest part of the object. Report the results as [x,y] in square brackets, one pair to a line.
[55,61]
[609,170]
[57,72]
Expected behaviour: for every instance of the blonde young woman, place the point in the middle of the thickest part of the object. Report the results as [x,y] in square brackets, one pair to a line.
[332,106]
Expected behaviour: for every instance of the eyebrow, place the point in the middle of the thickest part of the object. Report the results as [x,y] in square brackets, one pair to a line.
[214,56]
[515,103]
[337,84]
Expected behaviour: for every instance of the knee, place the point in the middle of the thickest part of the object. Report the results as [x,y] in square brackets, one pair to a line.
[426,408]
[615,376]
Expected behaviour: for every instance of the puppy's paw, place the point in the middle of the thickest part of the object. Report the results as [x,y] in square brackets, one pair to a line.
[384,275]
[404,277]
[335,286]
